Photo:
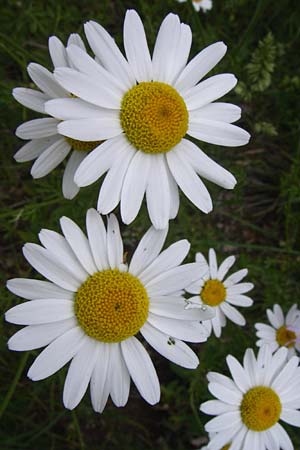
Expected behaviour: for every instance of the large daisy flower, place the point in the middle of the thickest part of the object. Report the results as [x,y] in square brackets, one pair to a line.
[250,405]
[284,331]
[144,108]
[46,145]
[221,294]
[94,305]
[205,5]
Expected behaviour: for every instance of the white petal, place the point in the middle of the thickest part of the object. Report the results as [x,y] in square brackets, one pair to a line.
[209,90]
[45,81]
[233,397]
[91,129]
[241,288]
[223,422]
[105,48]
[219,440]
[100,381]
[223,380]
[276,363]
[284,439]
[80,372]
[75,39]
[97,238]
[57,52]
[174,195]
[174,279]
[180,329]
[110,192]
[50,158]
[37,128]
[235,277]
[33,149]
[147,250]
[225,266]
[216,407]
[46,265]
[219,133]
[239,300]
[114,242]
[95,90]
[206,167]
[40,311]
[175,350]
[30,98]
[233,314]
[141,369]
[57,354]
[200,65]
[213,266]
[136,47]
[158,192]
[175,307]
[134,186]
[69,188]
[36,336]
[276,318]
[290,416]
[168,259]
[79,244]
[96,163]
[75,108]
[286,375]
[221,112]
[36,289]
[188,180]
[238,373]
[119,376]
[183,50]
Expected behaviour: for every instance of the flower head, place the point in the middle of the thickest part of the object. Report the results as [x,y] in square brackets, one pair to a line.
[205,5]
[249,406]
[219,293]
[94,304]
[144,108]
[46,145]
[283,332]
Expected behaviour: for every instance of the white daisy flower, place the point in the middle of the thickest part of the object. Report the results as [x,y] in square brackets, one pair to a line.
[284,331]
[46,145]
[94,305]
[205,5]
[143,108]
[219,293]
[250,405]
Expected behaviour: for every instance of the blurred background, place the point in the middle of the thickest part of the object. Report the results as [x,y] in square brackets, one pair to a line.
[259,221]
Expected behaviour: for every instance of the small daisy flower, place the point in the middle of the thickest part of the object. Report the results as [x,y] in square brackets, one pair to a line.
[93,306]
[46,145]
[283,332]
[219,293]
[205,5]
[144,107]
[249,406]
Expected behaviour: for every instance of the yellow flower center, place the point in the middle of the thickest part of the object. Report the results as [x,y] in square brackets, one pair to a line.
[154,117]
[285,337]
[111,305]
[260,408]
[226,447]
[82,146]
[213,293]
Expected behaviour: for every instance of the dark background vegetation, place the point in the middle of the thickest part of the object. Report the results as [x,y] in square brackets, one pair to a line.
[259,221]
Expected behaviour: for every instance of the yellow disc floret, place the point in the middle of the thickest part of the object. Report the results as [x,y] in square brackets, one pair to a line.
[154,117]
[213,292]
[111,305]
[82,146]
[285,337]
[260,408]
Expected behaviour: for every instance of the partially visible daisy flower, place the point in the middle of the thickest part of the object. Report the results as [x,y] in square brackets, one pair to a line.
[46,145]
[205,5]
[144,107]
[284,331]
[94,305]
[249,406]
[221,294]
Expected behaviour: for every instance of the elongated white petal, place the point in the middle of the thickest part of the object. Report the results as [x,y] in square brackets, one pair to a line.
[37,128]
[97,238]
[80,372]
[175,307]
[57,354]
[141,370]
[136,47]
[225,266]
[276,318]
[69,187]
[78,243]
[235,277]
[119,376]
[290,416]
[47,266]
[174,350]
[241,288]
[36,336]
[219,133]
[233,397]
[200,65]
[187,180]
[239,300]
[180,329]
[147,250]
[215,407]
[45,81]
[238,373]
[233,314]
[50,158]
[40,311]
[219,111]
[213,266]
[223,422]
[158,192]
[174,195]
[33,149]
[36,289]
[30,98]
[114,242]
[75,108]
[100,381]
[286,375]
[91,129]
[75,39]
[57,52]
